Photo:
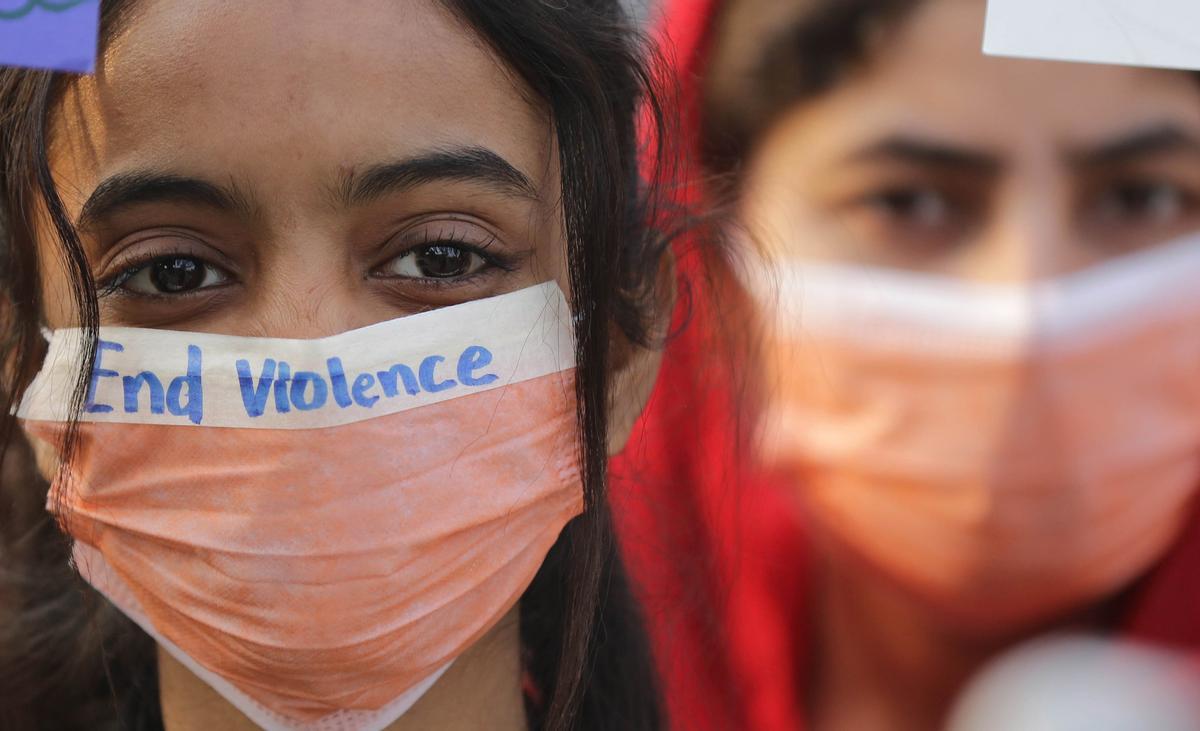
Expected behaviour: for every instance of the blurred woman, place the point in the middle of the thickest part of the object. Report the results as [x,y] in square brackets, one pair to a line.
[978,415]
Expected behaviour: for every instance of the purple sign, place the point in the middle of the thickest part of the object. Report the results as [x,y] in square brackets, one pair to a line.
[50,34]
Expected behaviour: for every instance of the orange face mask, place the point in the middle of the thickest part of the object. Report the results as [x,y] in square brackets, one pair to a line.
[318,528]
[1005,452]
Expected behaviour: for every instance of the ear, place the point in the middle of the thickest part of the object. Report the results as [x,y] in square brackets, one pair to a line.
[635,367]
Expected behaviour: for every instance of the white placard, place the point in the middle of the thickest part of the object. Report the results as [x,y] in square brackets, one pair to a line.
[1159,33]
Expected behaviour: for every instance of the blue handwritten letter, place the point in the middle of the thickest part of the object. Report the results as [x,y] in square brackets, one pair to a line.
[363,383]
[133,386]
[282,379]
[389,381]
[428,380]
[90,405]
[319,391]
[471,360]
[194,409]
[254,395]
[337,379]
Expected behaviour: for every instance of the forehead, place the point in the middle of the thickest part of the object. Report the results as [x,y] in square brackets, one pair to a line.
[248,89]
[931,79]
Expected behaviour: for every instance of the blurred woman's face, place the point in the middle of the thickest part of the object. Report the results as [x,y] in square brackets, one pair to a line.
[940,159]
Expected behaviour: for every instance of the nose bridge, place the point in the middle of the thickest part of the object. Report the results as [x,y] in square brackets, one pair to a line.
[307,288]
[309,310]
[1028,234]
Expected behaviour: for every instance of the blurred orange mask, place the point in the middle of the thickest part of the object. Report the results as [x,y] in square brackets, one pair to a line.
[318,528]
[1004,451]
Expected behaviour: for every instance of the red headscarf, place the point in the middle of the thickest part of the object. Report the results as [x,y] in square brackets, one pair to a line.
[717,552]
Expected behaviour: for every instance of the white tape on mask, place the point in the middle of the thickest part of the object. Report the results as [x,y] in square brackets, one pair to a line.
[144,376]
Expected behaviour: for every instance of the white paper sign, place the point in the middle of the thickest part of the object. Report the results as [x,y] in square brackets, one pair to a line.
[1160,33]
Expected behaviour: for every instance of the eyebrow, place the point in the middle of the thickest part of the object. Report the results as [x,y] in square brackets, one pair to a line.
[126,190]
[915,151]
[461,164]
[1154,140]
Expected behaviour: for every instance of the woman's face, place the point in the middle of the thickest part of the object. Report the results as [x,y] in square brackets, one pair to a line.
[296,170]
[940,159]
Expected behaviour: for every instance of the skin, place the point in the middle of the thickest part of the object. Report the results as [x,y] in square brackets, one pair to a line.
[283,124]
[938,159]
[1024,190]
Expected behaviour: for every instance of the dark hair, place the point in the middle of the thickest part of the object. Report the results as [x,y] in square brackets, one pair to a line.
[70,661]
[762,60]
[767,55]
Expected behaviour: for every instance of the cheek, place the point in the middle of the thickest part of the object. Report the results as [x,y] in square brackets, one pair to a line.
[75,148]
[782,224]
[60,307]
[780,212]
[551,258]
[45,457]
[550,263]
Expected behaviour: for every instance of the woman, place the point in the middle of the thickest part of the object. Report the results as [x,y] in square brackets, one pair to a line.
[245,184]
[941,488]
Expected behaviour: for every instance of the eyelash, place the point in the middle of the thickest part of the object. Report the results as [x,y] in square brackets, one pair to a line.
[435,237]
[113,284]
[457,240]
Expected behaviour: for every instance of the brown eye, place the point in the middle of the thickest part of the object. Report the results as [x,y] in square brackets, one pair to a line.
[177,275]
[436,261]
[172,275]
[914,206]
[1145,201]
[913,219]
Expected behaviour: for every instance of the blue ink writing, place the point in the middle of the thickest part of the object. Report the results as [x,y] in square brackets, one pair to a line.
[365,382]
[89,404]
[254,395]
[471,360]
[281,386]
[133,385]
[194,408]
[337,378]
[319,391]
[427,378]
[387,380]
[309,390]
[183,396]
